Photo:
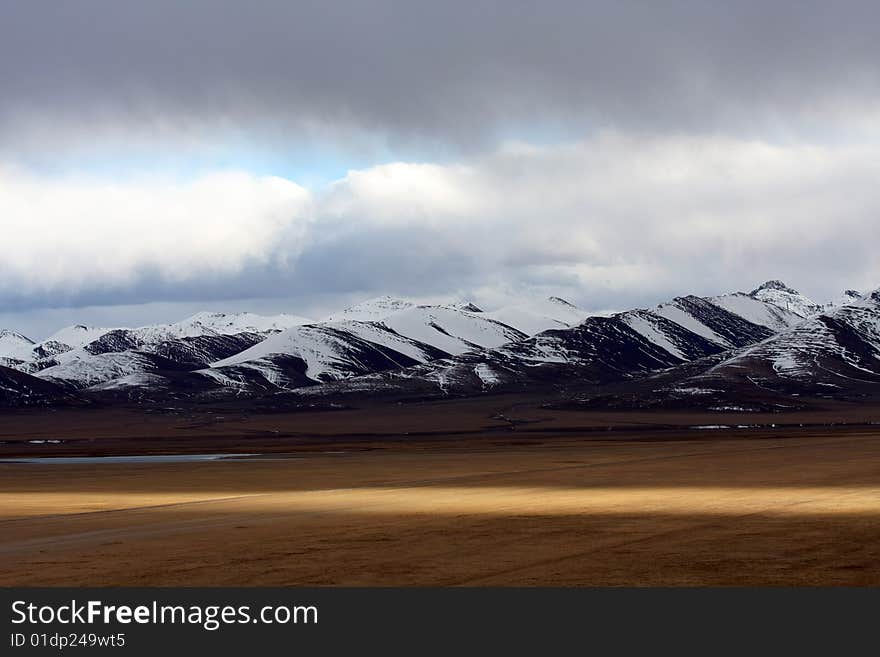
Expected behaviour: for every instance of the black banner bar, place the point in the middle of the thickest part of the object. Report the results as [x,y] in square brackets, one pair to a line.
[270,621]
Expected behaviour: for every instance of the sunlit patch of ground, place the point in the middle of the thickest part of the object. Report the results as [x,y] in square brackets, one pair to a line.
[772,511]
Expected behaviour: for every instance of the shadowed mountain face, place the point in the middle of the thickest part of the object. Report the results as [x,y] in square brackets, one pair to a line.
[600,350]
[211,352]
[691,350]
[596,350]
[832,354]
[19,389]
[309,355]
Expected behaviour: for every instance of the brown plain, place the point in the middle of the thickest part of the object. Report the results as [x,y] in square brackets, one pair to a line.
[377,498]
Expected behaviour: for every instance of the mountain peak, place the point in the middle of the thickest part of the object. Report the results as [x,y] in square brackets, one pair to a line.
[561,301]
[848,297]
[7,333]
[774,285]
[204,315]
[779,294]
[385,301]
[467,306]
[372,310]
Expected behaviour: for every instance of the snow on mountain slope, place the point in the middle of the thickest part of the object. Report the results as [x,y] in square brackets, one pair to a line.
[838,349]
[77,335]
[540,315]
[394,344]
[202,350]
[668,335]
[200,324]
[376,335]
[138,380]
[207,323]
[622,346]
[782,296]
[323,346]
[71,352]
[123,353]
[597,350]
[845,299]
[603,343]
[189,344]
[15,346]
[832,354]
[68,338]
[844,339]
[712,322]
[409,334]
[313,353]
[463,305]
[64,340]
[757,311]
[692,327]
[450,328]
[372,310]
[82,369]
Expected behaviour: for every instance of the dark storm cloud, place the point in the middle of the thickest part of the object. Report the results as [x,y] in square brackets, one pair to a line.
[445,71]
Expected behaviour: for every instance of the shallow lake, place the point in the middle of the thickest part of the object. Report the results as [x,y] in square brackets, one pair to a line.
[148,458]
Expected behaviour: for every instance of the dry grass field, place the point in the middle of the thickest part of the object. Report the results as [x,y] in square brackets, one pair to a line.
[710,507]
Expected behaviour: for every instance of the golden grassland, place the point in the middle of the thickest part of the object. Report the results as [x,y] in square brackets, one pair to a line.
[779,508]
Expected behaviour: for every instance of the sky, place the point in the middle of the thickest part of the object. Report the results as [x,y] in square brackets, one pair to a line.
[161,158]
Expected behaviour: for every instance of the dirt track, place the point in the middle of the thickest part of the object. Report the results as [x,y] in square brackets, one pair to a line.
[773,511]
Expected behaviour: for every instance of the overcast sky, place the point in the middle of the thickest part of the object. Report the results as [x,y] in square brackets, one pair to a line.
[163,157]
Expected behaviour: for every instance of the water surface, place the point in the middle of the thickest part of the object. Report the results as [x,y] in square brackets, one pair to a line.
[143,458]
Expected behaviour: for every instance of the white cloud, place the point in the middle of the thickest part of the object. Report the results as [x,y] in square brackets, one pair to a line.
[71,234]
[615,213]
[613,221]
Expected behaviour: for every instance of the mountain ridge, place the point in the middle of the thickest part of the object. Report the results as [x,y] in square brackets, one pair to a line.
[389,345]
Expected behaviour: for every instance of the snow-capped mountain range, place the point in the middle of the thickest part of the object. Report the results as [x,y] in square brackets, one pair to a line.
[833,353]
[600,349]
[394,346]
